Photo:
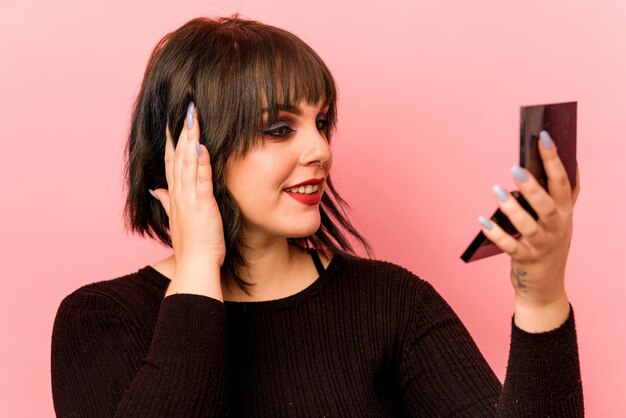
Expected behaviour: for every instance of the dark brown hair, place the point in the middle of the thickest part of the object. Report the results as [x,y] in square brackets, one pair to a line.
[231,68]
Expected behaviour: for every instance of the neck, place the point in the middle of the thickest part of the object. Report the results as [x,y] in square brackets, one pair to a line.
[271,264]
[276,269]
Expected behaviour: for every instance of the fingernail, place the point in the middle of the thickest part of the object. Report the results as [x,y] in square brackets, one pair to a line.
[191,110]
[519,174]
[198,149]
[486,223]
[153,194]
[546,141]
[500,193]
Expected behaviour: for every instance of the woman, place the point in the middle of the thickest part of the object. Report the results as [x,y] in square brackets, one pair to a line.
[263,309]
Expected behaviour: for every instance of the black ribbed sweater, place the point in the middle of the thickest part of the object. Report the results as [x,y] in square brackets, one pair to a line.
[366,339]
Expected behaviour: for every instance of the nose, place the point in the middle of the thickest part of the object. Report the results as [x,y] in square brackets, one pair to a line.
[316,149]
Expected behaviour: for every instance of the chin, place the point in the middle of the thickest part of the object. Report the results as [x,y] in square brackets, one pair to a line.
[303,231]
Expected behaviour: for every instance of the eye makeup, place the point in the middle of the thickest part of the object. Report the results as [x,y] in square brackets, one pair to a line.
[322,123]
[285,123]
[279,129]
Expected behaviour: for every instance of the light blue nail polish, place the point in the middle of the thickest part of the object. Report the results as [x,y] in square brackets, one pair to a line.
[152,193]
[486,223]
[519,174]
[546,141]
[500,193]
[198,149]
[190,111]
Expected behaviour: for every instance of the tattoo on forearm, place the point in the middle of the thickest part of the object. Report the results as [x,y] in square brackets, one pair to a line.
[520,278]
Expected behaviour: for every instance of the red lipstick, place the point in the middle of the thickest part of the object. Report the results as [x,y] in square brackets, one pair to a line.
[307,182]
[307,199]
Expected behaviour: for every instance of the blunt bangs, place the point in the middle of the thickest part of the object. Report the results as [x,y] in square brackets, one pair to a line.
[272,70]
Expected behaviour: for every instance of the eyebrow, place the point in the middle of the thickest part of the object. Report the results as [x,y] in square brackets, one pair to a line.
[291,109]
[286,108]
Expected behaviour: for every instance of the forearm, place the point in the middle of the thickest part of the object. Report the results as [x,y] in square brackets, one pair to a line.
[100,366]
[543,373]
[187,368]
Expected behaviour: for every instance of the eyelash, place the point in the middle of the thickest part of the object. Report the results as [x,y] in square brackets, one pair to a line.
[278,130]
[324,122]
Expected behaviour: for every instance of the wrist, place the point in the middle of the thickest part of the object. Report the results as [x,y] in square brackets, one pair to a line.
[541,317]
[196,276]
[198,260]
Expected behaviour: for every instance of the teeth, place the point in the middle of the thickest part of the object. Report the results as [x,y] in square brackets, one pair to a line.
[308,189]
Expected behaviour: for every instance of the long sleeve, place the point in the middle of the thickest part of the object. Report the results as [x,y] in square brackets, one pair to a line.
[441,372]
[105,364]
[543,374]
[367,338]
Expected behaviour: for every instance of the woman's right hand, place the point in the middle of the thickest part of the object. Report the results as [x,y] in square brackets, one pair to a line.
[195,221]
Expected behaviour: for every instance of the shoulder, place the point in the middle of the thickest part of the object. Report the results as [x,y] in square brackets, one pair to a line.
[414,302]
[380,275]
[377,270]
[406,302]
[118,297]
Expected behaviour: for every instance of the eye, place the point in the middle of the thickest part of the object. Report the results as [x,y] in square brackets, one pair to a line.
[322,123]
[279,130]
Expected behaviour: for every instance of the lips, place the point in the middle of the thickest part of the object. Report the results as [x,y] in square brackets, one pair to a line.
[307,182]
[308,199]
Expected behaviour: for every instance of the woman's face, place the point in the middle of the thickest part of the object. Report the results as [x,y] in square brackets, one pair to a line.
[294,150]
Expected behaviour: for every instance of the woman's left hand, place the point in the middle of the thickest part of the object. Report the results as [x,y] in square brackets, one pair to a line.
[539,256]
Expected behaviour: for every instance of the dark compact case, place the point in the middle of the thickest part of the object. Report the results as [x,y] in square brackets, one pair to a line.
[559,120]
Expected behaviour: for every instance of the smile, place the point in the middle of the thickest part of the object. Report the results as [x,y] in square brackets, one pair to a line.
[308,189]
[311,199]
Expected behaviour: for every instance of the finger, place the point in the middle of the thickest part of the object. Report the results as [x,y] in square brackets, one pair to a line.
[179,153]
[163,197]
[538,198]
[499,237]
[204,184]
[519,217]
[190,160]
[576,190]
[558,183]
[169,159]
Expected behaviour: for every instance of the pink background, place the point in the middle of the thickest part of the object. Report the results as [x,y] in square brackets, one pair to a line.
[430,93]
